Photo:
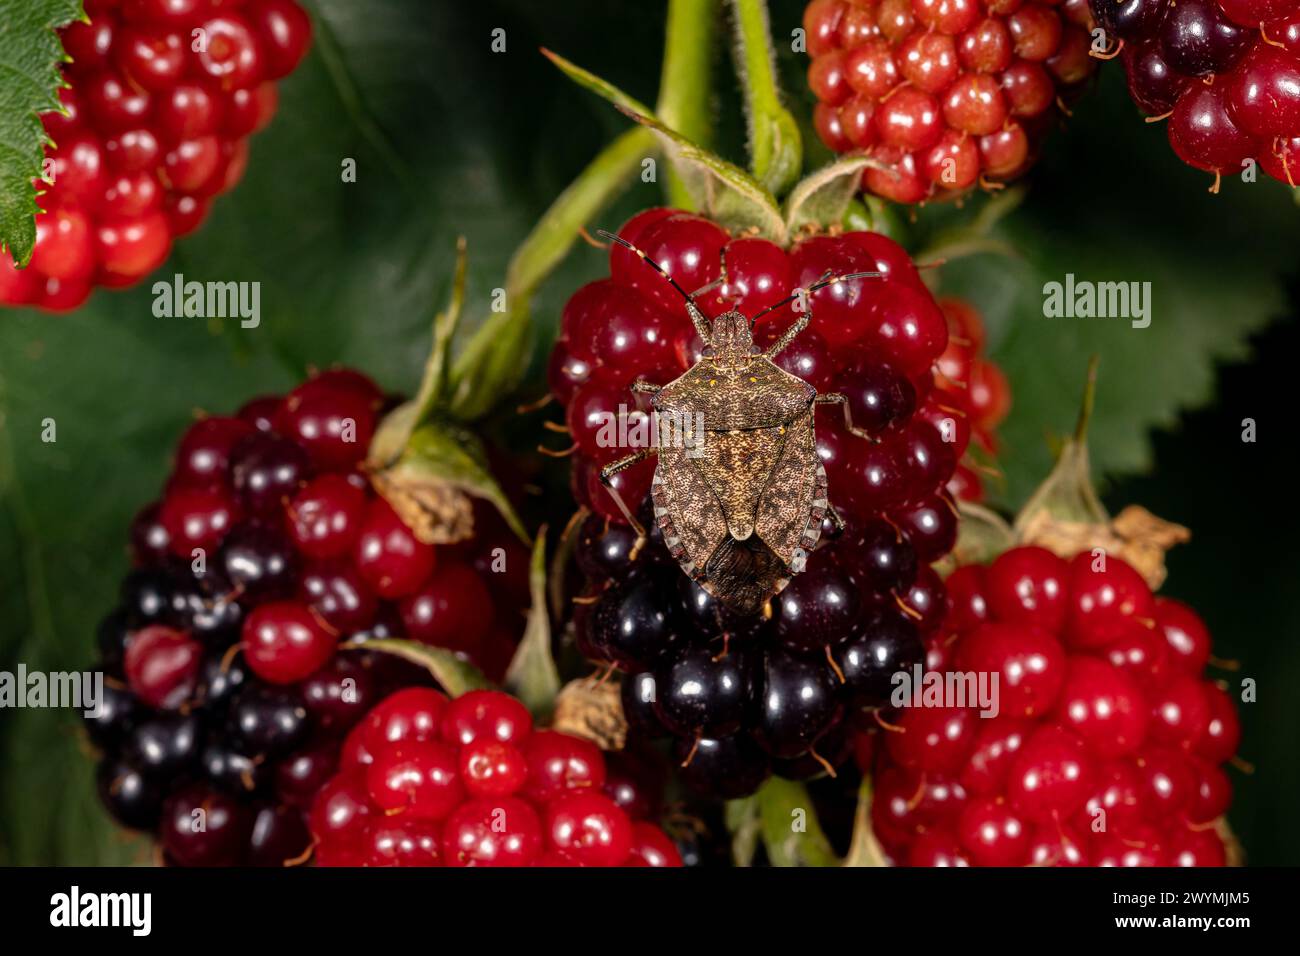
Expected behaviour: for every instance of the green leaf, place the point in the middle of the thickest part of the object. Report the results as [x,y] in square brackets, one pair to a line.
[864,849]
[1214,263]
[822,198]
[453,674]
[792,834]
[775,146]
[532,675]
[31,53]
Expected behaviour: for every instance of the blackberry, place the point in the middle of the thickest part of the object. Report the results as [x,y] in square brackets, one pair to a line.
[1094,725]
[225,692]
[1224,73]
[782,689]
[429,782]
[943,96]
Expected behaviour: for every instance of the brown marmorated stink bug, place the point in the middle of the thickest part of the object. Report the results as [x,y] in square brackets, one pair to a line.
[740,505]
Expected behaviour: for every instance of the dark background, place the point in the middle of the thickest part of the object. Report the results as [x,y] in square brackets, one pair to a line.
[451,139]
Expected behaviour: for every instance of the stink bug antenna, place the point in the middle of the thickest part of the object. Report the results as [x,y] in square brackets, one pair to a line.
[697,317]
[805,315]
[823,282]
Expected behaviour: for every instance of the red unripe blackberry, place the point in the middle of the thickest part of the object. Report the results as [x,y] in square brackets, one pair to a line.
[224,658]
[1102,750]
[468,783]
[880,342]
[161,95]
[880,70]
[162,665]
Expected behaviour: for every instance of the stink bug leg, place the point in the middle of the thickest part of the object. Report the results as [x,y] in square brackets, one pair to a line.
[836,518]
[835,398]
[612,469]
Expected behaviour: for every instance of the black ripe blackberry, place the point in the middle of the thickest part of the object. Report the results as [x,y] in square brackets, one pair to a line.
[785,690]
[225,697]
[744,698]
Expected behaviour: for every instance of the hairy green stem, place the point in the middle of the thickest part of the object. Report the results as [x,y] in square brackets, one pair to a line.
[550,240]
[684,83]
[776,149]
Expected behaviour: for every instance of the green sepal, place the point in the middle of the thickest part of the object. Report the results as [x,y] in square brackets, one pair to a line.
[745,824]
[454,675]
[792,834]
[864,848]
[982,534]
[442,460]
[1068,493]
[532,675]
[823,197]
[721,190]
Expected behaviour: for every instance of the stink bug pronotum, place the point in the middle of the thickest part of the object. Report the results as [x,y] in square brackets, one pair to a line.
[742,509]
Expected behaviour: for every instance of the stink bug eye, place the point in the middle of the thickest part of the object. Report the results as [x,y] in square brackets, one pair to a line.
[741,504]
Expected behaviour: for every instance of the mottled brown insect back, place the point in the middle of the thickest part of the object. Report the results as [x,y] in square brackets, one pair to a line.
[740,506]
[753,490]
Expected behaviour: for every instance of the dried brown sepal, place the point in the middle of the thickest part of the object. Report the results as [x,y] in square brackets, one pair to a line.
[436,511]
[1066,516]
[591,709]
[1135,534]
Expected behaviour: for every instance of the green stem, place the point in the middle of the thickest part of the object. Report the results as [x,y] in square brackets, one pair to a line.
[684,83]
[776,149]
[550,240]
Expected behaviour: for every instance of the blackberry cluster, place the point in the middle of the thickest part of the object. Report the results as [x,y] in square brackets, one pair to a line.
[161,98]
[1226,73]
[1109,740]
[427,781]
[943,94]
[782,690]
[971,382]
[224,691]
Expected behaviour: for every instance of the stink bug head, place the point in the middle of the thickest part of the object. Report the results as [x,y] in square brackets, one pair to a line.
[741,512]
[730,340]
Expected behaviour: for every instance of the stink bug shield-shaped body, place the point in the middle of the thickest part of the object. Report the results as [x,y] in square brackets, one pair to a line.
[740,506]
